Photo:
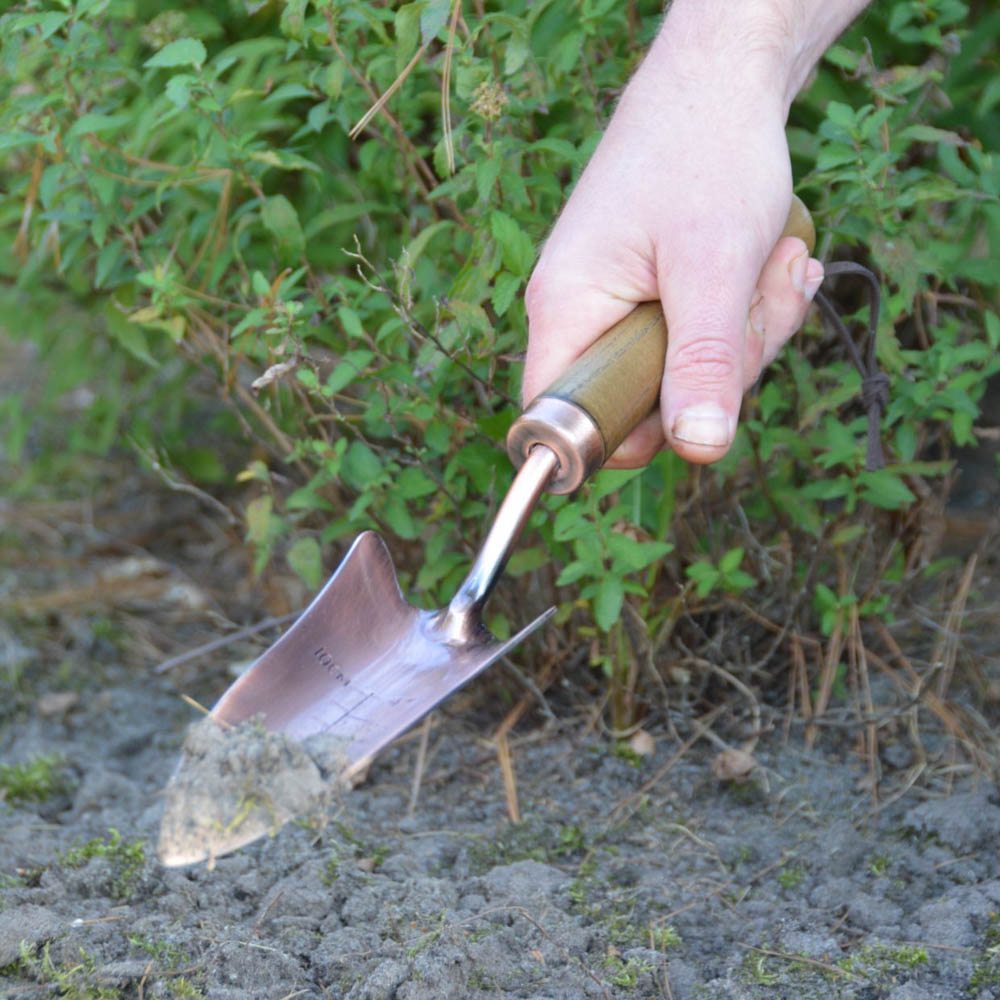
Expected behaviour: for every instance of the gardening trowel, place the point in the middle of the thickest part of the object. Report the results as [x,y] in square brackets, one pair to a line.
[362,664]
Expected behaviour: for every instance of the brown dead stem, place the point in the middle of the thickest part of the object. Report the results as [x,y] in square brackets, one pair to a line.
[870,735]
[449,51]
[946,647]
[419,169]
[509,779]
[380,102]
[21,240]
[831,658]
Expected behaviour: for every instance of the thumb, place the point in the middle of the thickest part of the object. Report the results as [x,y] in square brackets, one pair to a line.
[706,294]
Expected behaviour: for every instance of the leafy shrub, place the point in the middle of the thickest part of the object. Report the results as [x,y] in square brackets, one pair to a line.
[334,322]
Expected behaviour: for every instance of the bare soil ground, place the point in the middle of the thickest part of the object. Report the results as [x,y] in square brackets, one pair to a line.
[550,862]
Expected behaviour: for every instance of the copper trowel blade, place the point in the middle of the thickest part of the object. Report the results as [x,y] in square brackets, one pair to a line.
[357,669]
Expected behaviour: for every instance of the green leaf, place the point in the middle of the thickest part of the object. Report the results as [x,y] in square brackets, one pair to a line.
[607,602]
[284,160]
[704,575]
[133,339]
[487,174]
[527,561]
[281,219]
[574,571]
[505,287]
[842,115]
[263,527]
[992,329]
[927,133]
[883,488]
[516,248]
[178,89]
[92,122]
[398,517]
[49,23]
[9,140]
[407,22]
[361,467]
[570,522]
[433,18]
[609,481]
[293,19]
[347,370]
[182,52]
[738,581]
[305,561]
[412,483]
[516,53]
[731,561]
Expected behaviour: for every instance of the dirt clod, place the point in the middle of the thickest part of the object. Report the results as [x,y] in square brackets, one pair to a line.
[237,783]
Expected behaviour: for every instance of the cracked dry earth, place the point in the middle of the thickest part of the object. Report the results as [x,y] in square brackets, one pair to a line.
[627,877]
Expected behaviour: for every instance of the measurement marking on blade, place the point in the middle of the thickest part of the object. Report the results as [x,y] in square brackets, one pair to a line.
[324,659]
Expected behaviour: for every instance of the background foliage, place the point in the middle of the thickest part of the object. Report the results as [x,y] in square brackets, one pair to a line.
[313,312]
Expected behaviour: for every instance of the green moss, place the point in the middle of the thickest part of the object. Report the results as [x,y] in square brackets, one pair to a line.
[987,967]
[526,842]
[755,969]
[879,961]
[791,876]
[879,865]
[625,973]
[70,981]
[127,861]
[41,777]
[168,957]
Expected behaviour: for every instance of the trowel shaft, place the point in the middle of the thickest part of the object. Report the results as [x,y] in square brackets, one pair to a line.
[463,613]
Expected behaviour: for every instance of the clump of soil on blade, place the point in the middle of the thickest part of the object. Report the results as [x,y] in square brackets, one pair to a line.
[234,784]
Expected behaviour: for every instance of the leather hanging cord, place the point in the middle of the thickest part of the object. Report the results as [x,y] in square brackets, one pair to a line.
[874,383]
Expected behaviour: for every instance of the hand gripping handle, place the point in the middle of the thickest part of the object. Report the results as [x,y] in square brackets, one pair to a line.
[591,408]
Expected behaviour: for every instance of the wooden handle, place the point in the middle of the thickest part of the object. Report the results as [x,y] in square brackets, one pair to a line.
[616,381]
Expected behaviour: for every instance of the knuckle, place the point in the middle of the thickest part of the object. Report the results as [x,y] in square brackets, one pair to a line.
[705,361]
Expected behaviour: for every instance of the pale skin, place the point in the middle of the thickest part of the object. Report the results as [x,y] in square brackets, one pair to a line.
[684,201]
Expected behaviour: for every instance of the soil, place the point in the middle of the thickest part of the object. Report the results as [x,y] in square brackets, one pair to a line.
[698,862]
[627,877]
[629,874]
[234,784]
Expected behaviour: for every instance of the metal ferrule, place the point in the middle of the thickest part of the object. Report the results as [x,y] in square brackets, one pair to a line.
[565,428]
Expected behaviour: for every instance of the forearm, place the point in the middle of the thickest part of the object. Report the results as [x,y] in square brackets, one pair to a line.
[767,44]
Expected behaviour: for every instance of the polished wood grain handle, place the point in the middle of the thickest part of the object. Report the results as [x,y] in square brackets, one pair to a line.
[594,405]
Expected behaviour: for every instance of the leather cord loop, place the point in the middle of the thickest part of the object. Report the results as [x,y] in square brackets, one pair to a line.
[875,384]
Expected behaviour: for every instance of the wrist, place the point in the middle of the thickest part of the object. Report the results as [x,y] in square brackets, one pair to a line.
[764,48]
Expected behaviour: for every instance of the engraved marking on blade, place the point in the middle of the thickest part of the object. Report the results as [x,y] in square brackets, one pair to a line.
[331,666]
[326,660]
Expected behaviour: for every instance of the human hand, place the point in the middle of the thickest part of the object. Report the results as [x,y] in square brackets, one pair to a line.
[683,201]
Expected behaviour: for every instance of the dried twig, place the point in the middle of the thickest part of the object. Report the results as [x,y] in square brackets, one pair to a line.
[421,763]
[449,50]
[225,640]
[381,102]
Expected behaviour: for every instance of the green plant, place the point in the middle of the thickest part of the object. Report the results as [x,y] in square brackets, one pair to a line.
[726,576]
[791,876]
[39,778]
[127,860]
[320,323]
[167,955]
[879,865]
[625,973]
[755,967]
[987,966]
[664,936]
[878,962]
[72,982]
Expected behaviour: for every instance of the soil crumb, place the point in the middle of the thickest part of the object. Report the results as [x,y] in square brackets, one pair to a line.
[234,784]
